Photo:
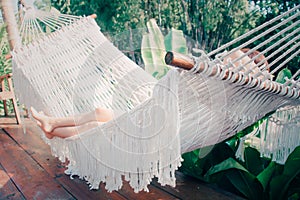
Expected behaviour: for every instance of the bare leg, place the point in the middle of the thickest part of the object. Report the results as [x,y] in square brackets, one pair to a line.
[48,124]
[64,132]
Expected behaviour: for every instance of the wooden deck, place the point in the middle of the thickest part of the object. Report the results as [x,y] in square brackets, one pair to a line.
[28,171]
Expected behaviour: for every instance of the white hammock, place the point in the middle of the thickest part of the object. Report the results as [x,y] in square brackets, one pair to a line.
[76,69]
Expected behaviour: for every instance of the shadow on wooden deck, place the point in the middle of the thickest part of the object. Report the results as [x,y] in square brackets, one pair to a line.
[29,171]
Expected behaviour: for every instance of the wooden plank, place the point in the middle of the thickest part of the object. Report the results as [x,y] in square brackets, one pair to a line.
[186,187]
[32,180]
[40,152]
[127,191]
[7,189]
[32,143]
[191,188]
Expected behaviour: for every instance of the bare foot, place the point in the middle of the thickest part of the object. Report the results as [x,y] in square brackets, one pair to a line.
[48,135]
[43,121]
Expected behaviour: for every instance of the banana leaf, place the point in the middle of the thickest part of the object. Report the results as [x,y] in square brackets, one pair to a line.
[245,182]
[279,186]
[153,51]
[175,41]
[155,46]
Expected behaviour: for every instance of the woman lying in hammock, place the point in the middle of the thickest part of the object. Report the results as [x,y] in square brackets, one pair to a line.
[70,126]
[260,59]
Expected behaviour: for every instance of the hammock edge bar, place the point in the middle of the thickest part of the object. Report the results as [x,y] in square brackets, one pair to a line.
[187,63]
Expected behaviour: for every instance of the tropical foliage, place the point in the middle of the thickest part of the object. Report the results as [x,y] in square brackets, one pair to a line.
[207,23]
[256,178]
[155,45]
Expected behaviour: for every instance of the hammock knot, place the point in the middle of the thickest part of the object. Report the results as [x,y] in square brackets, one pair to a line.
[202,59]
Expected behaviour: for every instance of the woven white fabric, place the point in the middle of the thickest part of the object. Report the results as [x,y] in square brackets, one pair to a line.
[77,69]
[213,110]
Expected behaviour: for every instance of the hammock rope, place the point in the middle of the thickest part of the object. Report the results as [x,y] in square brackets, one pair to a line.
[75,69]
[293,22]
[35,21]
[257,29]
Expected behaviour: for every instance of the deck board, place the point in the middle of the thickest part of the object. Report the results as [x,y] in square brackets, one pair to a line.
[7,188]
[191,188]
[32,180]
[40,152]
[25,158]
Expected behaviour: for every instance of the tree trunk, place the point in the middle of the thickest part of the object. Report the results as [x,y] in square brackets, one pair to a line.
[10,21]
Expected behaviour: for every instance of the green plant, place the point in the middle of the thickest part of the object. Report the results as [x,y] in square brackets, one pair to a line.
[155,45]
[256,177]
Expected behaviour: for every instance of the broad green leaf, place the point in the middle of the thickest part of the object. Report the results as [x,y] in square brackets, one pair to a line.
[204,151]
[153,51]
[280,184]
[282,74]
[292,164]
[155,74]
[294,189]
[147,53]
[278,187]
[253,161]
[245,183]
[154,46]
[175,41]
[227,164]
[239,177]
[192,165]
[295,196]
[157,39]
[191,157]
[266,175]
[196,152]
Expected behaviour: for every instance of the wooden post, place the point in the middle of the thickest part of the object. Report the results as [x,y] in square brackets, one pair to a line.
[179,60]
[13,39]
[10,21]
[187,63]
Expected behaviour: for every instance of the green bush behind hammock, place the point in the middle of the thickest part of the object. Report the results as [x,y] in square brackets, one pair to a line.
[256,177]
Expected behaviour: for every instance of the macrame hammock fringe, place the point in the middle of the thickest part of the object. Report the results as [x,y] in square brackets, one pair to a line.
[276,137]
[76,69]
